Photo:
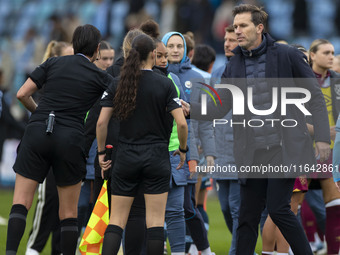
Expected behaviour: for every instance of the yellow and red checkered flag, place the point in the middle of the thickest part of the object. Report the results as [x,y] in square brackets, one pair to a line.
[92,240]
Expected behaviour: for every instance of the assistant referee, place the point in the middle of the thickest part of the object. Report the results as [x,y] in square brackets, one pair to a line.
[143,102]
[71,85]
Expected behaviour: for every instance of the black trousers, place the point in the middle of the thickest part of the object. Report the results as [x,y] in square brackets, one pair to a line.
[275,193]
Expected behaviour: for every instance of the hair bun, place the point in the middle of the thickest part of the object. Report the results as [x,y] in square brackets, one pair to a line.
[151,28]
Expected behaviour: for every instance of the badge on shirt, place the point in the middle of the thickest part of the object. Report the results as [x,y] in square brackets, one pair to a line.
[104,94]
[178,101]
[188,84]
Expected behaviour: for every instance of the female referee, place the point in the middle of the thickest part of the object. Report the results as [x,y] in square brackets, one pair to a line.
[71,86]
[143,102]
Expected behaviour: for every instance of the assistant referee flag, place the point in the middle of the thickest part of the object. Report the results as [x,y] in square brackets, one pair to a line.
[92,240]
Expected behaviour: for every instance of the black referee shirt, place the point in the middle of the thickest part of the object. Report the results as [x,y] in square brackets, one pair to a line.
[71,84]
[151,122]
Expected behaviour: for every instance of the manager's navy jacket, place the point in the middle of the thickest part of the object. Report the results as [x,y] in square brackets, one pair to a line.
[282,61]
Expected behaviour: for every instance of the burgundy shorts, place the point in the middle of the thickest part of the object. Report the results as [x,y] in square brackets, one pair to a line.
[301,184]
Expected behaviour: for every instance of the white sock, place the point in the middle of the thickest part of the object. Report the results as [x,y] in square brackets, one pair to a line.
[334,202]
[207,251]
[30,251]
[268,252]
[317,239]
[313,246]
[280,253]
[178,253]
[193,249]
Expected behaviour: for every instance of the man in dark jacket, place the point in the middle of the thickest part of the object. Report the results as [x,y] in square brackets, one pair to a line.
[259,65]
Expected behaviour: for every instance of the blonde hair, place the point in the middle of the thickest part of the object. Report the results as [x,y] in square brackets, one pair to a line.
[132,34]
[54,49]
[314,47]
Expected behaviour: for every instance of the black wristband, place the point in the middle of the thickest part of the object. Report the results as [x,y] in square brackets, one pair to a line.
[183,151]
[101,152]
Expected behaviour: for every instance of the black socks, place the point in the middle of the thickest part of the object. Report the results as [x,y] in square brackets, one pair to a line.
[112,239]
[69,236]
[113,236]
[155,241]
[16,228]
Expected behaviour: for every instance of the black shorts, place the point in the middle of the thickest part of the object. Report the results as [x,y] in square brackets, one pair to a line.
[62,150]
[147,165]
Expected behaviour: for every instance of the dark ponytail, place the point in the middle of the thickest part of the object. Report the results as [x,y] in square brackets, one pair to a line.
[126,93]
[125,98]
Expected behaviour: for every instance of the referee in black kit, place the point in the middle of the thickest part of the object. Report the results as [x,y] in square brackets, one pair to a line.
[54,135]
[143,101]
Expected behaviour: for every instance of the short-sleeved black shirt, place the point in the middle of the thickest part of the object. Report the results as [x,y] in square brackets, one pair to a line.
[71,84]
[151,121]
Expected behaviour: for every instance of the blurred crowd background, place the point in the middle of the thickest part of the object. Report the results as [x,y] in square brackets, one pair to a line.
[26,26]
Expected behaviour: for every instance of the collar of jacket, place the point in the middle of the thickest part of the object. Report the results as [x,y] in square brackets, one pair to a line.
[180,67]
[271,60]
[267,39]
[260,50]
[163,70]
